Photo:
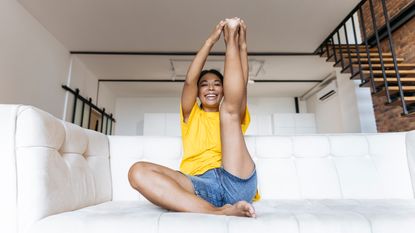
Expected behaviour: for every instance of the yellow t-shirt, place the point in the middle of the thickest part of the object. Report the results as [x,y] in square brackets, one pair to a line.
[202,149]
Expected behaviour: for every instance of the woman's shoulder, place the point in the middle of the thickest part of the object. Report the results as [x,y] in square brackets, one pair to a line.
[193,113]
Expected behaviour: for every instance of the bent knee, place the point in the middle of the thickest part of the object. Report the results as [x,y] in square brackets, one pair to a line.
[229,116]
[137,173]
[229,112]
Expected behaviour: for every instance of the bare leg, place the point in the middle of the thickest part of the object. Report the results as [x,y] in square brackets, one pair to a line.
[235,155]
[172,190]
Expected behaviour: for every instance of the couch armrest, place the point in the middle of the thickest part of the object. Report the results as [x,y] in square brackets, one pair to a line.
[8,182]
[48,166]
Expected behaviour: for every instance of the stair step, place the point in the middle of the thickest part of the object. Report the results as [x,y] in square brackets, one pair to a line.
[376,60]
[379,82]
[355,61]
[344,50]
[372,55]
[394,80]
[401,66]
[408,100]
[361,49]
[404,88]
[350,45]
[391,72]
[362,56]
[394,89]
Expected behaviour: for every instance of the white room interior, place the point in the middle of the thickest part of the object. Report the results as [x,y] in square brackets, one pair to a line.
[331,172]
[36,60]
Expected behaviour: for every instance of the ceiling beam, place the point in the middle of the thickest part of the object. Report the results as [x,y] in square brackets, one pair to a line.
[175,81]
[187,53]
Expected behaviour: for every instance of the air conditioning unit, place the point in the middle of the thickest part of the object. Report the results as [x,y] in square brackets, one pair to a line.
[328,91]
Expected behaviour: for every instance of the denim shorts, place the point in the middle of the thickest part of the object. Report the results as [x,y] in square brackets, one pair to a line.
[219,187]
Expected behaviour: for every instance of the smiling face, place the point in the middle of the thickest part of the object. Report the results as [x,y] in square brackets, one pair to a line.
[210,92]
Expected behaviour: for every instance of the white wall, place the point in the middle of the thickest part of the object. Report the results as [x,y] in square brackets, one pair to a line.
[350,35]
[350,110]
[106,98]
[84,79]
[129,112]
[356,105]
[327,114]
[262,105]
[33,64]
[79,77]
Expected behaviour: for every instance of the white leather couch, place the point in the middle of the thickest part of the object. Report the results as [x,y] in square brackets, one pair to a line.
[57,177]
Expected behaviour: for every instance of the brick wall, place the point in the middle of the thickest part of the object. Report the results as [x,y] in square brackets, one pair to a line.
[404,42]
[393,6]
[388,118]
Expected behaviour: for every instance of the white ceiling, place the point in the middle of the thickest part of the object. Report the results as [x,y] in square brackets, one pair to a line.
[182,26]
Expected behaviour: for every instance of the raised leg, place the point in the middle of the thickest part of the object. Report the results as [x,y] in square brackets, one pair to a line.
[235,156]
[172,190]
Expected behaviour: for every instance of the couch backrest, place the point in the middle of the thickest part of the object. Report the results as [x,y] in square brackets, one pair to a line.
[366,166]
[57,167]
[355,166]
[126,150]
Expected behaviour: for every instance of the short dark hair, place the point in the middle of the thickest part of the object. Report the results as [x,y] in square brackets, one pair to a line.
[211,71]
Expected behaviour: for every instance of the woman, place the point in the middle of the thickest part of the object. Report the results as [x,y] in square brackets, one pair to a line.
[220,174]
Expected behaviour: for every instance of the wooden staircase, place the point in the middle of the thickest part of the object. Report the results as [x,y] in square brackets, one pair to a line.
[365,64]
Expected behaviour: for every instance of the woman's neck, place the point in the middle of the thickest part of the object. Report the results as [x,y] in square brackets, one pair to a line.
[213,109]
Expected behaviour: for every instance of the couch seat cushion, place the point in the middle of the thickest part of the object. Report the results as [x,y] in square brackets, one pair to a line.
[287,216]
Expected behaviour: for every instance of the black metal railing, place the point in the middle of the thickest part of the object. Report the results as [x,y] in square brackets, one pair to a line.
[350,54]
[79,119]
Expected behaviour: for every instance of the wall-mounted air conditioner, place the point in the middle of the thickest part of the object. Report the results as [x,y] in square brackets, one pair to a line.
[328,91]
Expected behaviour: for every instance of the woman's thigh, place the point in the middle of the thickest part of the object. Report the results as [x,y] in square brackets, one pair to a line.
[177,176]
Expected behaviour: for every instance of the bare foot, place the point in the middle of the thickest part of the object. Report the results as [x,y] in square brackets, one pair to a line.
[231,29]
[241,208]
[234,22]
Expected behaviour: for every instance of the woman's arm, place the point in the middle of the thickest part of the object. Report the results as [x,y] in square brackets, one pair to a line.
[189,92]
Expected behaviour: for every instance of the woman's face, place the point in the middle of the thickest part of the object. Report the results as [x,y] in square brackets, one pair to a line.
[210,91]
